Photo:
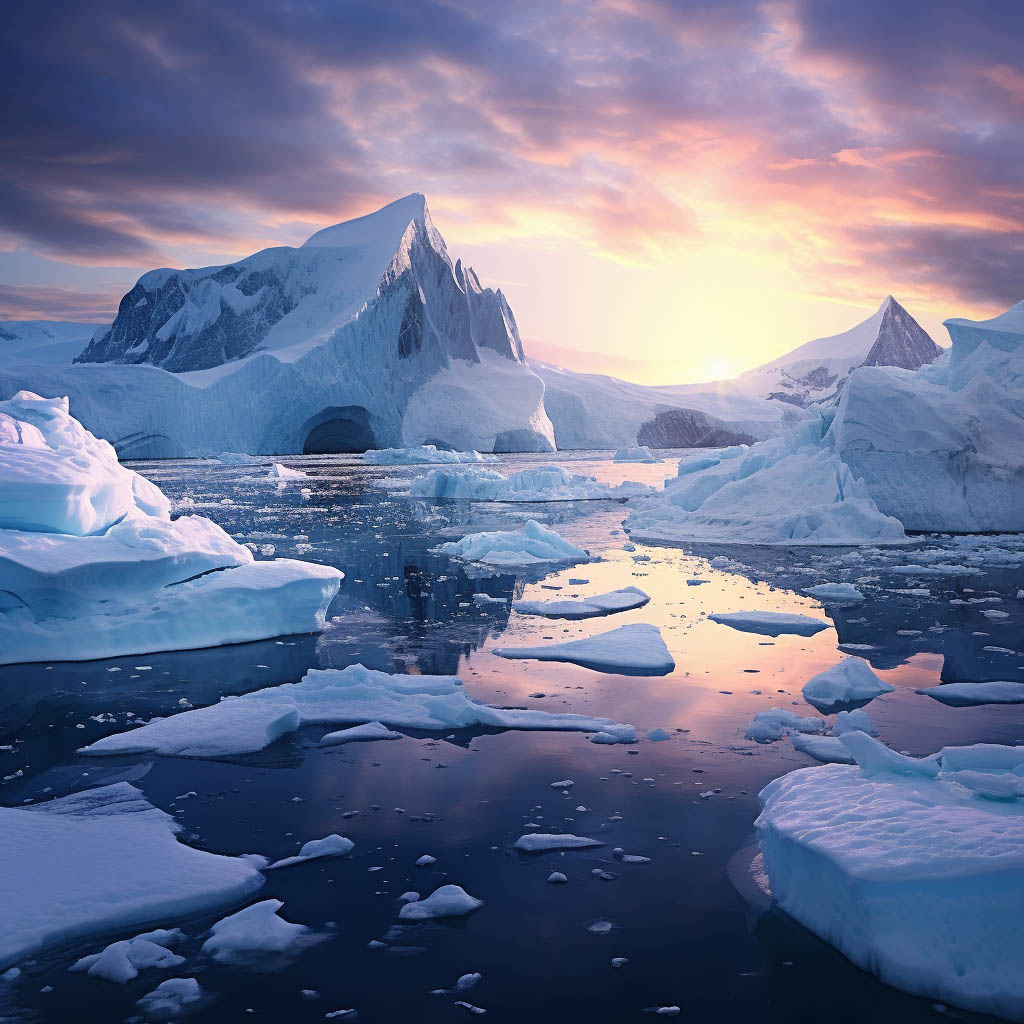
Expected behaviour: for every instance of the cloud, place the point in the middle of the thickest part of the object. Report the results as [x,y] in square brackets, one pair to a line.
[41,302]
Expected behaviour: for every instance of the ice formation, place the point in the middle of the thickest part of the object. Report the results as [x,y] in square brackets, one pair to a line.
[330,846]
[638,454]
[446,901]
[829,749]
[360,734]
[634,649]
[835,593]
[93,565]
[283,473]
[103,860]
[121,961]
[239,725]
[367,335]
[846,682]
[962,695]
[585,607]
[538,483]
[913,869]
[770,623]
[536,842]
[170,999]
[934,449]
[530,546]
[255,933]
[769,726]
[422,455]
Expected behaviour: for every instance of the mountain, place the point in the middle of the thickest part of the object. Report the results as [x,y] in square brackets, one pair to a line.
[815,370]
[53,342]
[365,336]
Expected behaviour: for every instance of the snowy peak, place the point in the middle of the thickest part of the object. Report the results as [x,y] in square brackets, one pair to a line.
[901,341]
[390,267]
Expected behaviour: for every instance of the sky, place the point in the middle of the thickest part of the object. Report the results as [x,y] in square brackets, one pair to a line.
[665,191]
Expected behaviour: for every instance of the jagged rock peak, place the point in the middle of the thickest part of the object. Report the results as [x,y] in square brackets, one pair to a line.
[901,341]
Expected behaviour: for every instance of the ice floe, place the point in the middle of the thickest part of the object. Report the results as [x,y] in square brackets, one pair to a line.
[770,623]
[246,724]
[422,455]
[171,998]
[633,649]
[835,593]
[769,726]
[100,861]
[536,484]
[907,868]
[847,682]
[256,934]
[536,842]
[641,453]
[530,546]
[360,733]
[962,695]
[585,607]
[330,846]
[121,961]
[93,566]
[446,901]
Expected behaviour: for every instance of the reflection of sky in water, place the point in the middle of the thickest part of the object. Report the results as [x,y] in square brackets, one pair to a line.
[691,939]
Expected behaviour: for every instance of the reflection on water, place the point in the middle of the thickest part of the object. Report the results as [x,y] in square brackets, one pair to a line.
[690,937]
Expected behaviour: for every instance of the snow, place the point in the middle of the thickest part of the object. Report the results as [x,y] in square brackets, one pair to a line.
[586,607]
[634,649]
[170,998]
[424,454]
[121,961]
[532,545]
[103,860]
[846,682]
[93,566]
[636,454]
[908,871]
[772,725]
[255,933]
[330,846]
[247,724]
[361,733]
[962,695]
[536,842]
[538,483]
[770,623]
[446,901]
[835,593]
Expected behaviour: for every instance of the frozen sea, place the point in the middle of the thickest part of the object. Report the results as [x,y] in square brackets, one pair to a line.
[697,930]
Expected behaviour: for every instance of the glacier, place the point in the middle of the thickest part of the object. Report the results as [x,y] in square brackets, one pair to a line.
[934,449]
[93,565]
[364,337]
[913,868]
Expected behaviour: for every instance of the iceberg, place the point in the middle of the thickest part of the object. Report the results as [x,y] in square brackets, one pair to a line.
[121,961]
[256,933]
[103,860]
[366,336]
[769,726]
[585,607]
[634,649]
[170,999]
[239,725]
[533,545]
[538,483]
[770,623]
[93,566]
[912,874]
[424,454]
[929,449]
[636,454]
[847,682]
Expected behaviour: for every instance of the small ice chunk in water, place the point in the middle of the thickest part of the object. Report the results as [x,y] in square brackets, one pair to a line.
[837,593]
[170,998]
[846,682]
[769,726]
[425,861]
[360,733]
[535,842]
[564,784]
[657,735]
[770,623]
[254,933]
[557,878]
[329,846]
[447,901]
[634,649]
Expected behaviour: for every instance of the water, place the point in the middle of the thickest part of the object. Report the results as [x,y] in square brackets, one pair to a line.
[691,922]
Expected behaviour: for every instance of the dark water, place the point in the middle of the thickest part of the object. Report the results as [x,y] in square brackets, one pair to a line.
[692,937]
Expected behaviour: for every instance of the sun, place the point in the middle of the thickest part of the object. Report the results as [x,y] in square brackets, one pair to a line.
[719,369]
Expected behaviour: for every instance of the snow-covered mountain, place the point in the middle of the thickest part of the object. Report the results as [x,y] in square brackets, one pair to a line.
[815,370]
[53,342]
[366,336]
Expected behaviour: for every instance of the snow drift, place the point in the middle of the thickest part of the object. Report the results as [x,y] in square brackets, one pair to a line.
[93,566]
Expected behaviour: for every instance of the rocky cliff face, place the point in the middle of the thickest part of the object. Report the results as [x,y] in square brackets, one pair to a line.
[901,340]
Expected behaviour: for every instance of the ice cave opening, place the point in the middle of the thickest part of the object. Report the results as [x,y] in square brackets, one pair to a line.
[338,429]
